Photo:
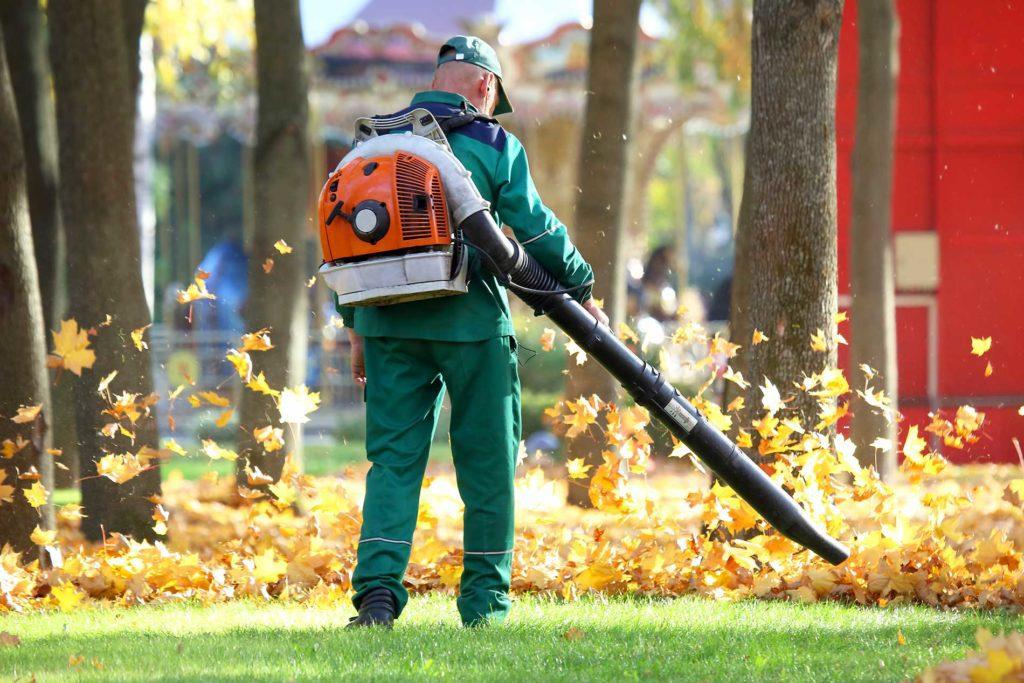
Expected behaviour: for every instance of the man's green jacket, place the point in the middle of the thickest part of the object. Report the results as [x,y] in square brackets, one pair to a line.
[501,172]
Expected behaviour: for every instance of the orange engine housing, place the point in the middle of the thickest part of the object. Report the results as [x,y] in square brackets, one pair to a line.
[402,191]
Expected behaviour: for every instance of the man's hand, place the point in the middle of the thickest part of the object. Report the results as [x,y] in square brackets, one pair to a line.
[357,363]
[595,310]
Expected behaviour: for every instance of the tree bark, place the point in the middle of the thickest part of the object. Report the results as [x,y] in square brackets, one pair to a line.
[29,67]
[604,183]
[785,276]
[872,285]
[281,177]
[95,115]
[23,345]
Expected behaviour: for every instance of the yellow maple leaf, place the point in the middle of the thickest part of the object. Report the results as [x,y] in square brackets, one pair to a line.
[988,369]
[216,452]
[270,437]
[295,404]
[214,399]
[174,447]
[6,490]
[979,347]
[242,362]
[259,385]
[71,347]
[311,281]
[758,337]
[735,377]
[257,341]
[27,414]
[36,495]
[577,468]
[136,335]
[818,341]
[66,596]
[195,291]
[120,467]
[282,247]
[626,333]
[267,567]
[43,537]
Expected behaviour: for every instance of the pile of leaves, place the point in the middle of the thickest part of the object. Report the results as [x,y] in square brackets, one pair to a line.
[940,535]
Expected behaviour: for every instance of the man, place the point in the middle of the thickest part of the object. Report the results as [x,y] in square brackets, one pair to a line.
[406,354]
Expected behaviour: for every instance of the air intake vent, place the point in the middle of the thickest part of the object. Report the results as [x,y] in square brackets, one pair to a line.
[415,182]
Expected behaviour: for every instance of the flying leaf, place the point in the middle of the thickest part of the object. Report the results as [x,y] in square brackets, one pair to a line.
[578,354]
[626,333]
[43,537]
[224,418]
[195,291]
[216,452]
[282,247]
[36,495]
[137,337]
[104,384]
[71,347]
[818,341]
[295,404]
[735,377]
[6,490]
[758,337]
[988,369]
[770,397]
[242,362]
[270,437]
[268,265]
[257,341]
[214,399]
[547,340]
[979,347]
[311,281]
[120,467]
[259,385]
[26,414]
[577,468]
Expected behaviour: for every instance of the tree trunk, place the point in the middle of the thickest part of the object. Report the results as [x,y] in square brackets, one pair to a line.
[29,67]
[785,281]
[604,178]
[872,286]
[281,177]
[23,345]
[93,78]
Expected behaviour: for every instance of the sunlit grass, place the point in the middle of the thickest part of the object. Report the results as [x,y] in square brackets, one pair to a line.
[620,639]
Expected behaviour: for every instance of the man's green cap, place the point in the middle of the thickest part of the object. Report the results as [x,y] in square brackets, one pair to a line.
[476,51]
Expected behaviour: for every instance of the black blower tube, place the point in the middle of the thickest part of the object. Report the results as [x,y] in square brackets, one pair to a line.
[646,385]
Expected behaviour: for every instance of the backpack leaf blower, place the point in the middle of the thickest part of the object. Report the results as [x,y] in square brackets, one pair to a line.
[401,236]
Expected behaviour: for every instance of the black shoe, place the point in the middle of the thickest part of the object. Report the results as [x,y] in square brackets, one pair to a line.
[377,608]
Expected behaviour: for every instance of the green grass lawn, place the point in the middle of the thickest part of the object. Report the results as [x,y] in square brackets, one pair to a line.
[620,639]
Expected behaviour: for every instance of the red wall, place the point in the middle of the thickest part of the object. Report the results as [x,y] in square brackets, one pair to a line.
[960,172]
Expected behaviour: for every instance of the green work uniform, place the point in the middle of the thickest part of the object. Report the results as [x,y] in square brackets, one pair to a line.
[414,350]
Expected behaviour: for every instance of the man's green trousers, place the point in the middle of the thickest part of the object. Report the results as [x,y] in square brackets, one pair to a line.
[406,379]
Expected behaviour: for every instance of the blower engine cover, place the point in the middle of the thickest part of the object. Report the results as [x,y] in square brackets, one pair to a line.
[386,232]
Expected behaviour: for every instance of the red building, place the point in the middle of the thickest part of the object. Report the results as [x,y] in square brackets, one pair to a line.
[958,209]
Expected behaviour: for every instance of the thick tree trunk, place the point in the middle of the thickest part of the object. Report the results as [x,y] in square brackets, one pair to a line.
[29,67]
[95,114]
[22,345]
[872,286]
[281,177]
[785,281]
[604,178]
